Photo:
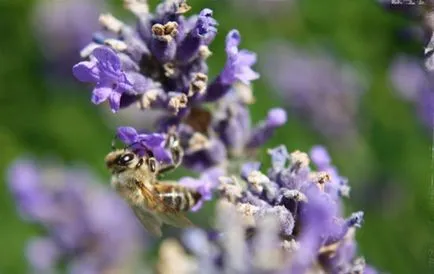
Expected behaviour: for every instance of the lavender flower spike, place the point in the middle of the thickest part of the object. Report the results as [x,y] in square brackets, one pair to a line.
[275,119]
[104,69]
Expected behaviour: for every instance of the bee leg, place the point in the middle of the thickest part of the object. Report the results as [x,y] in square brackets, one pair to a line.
[175,151]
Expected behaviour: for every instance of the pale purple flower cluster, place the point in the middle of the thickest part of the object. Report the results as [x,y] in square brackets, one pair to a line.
[414,83]
[88,228]
[288,221]
[62,28]
[319,90]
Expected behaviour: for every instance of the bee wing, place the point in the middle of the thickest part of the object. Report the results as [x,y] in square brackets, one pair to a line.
[150,222]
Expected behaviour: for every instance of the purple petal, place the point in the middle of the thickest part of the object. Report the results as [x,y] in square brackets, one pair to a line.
[320,157]
[161,154]
[233,39]
[206,25]
[249,58]
[115,101]
[107,59]
[190,182]
[86,72]
[139,84]
[247,168]
[279,157]
[151,140]
[128,135]
[238,64]
[100,94]
[42,254]
[276,117]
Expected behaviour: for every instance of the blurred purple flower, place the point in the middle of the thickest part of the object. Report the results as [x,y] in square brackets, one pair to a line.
[324,92]
[86,224]
[62,29]
[413,83]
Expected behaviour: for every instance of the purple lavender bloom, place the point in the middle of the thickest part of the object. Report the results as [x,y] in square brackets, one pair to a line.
[87,227]
[321,90]
[104,69]
[237,68]
[239,62]
[142,143]
[276,118]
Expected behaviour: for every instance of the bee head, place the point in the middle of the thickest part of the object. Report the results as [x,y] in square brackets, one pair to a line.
[122,159]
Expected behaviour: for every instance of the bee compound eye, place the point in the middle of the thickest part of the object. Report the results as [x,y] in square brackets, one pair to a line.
[125,159]
[152,163]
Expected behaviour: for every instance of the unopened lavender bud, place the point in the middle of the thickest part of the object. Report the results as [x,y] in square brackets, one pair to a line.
[177,101]
[248,211]
[111,23]
[201,34]
[87,50]
[116,44]
[257,180]
[197,142]
[165,32]
[198,84]
[163,45]
[230,188]
[290,246]
[183,7]
[294,194]
[204,52]
[299,160]
[245,93]
[140,8]
[276,117]
[320,179]
[148,98]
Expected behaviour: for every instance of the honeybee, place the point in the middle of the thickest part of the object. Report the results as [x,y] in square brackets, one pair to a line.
[154,202]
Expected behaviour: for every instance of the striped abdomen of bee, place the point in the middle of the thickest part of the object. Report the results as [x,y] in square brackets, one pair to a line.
[177,196]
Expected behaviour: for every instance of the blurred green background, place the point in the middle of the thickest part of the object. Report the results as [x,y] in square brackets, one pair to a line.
[388,167]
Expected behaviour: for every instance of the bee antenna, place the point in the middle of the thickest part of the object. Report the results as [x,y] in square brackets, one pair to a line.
[130,145]
[114,142]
